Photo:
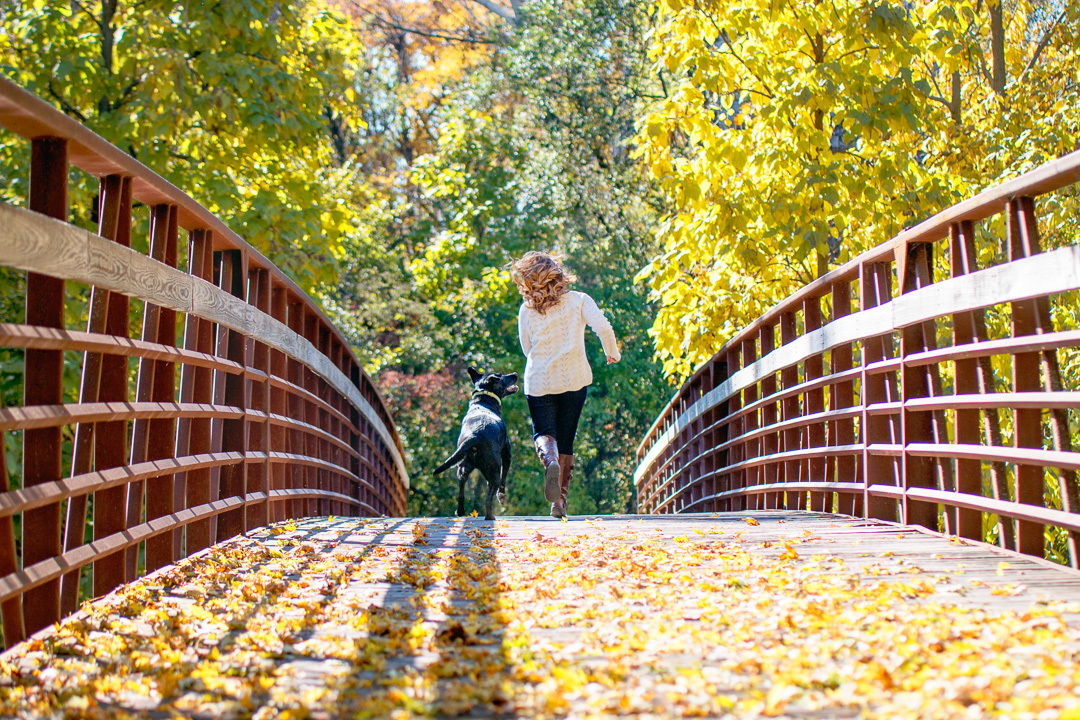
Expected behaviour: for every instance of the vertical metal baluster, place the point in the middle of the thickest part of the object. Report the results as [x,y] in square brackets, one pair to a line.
[814,403]
[161,439]
[789,378]
[234,431]
[843,396]
[111,438]
[736,426]
[43,385]
[82,452]
[769,441]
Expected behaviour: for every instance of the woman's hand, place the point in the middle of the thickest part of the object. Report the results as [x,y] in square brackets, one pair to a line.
[611,360]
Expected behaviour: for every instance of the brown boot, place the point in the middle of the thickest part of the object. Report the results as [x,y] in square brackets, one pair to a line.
[566,471]
[548,453]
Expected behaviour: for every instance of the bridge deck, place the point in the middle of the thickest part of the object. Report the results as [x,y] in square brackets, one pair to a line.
[799,615]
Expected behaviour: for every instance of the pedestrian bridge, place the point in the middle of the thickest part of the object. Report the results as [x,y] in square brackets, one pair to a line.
[865,504]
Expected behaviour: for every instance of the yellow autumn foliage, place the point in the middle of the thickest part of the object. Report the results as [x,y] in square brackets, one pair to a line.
[795,135]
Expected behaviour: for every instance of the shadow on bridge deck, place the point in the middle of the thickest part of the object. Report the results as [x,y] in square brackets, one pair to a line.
[744,614]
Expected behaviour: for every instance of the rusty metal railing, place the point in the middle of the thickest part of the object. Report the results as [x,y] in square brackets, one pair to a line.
[840,398]
[242,403]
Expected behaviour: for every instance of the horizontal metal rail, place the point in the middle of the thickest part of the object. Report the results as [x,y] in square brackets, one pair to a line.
[239,404]
[839,398]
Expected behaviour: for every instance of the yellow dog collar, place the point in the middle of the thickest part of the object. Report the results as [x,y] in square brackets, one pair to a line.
[489,394]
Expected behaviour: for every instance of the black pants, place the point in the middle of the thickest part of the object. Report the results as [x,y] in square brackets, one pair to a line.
[557,416]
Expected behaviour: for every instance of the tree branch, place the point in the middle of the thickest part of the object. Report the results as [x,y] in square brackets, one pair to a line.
[856,50]
[86,10]
[752,90]
[813,44]
[933,73]
[68,107]
[982,66]
[465,4]
[768,90]
[125,94]
[503,12]
[1042,44]
[383,23]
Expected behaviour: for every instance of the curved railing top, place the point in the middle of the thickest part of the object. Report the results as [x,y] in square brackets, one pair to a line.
[27,115]
[1046,178]
[237,402]
[882,390]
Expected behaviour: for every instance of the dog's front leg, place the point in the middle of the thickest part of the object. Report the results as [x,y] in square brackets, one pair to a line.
[462,477]
[501,494]
[489,508]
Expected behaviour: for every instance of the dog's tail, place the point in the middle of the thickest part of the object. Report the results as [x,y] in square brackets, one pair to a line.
[458,455]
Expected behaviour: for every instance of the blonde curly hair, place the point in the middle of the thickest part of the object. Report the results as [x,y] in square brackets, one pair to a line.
[540,279]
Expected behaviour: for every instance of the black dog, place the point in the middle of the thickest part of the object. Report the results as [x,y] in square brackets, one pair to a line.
[483,443]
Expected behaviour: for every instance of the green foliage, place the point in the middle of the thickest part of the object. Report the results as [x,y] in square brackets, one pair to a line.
[527,152]
[391,174]
[228,101]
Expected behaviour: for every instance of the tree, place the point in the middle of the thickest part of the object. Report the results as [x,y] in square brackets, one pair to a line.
[529,151]
[790,140]
[799,135]
[229,101]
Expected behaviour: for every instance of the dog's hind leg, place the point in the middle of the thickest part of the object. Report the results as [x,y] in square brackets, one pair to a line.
[462,477]
[501,494]
[492,477]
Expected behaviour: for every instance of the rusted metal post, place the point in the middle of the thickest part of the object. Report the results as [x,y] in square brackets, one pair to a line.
[735,427]
[161,433]
[842,396]
[197,385]
[751,448]
[1032,317]
[918,426]
[969,327]
[876,280]
[356,463]
[109,210]
[815,403]
[43,385]
[279,471]
[769,413]
[111,438]
[258,357]
[234,431]
[10,609]
[789,378]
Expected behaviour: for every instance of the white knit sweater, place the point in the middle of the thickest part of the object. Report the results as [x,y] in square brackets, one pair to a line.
[554,344]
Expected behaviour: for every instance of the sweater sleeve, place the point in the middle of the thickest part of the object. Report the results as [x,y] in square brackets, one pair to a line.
[523,330]
[594,316]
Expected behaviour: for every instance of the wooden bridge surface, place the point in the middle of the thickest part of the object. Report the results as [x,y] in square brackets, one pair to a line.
[769,613]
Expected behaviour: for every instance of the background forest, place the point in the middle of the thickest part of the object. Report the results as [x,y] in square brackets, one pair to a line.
[692,162]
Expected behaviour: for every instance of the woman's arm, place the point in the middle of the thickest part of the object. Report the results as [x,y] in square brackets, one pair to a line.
[596,319]
[523,330]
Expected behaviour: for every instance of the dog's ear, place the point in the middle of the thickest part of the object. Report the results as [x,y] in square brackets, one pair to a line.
[474,375]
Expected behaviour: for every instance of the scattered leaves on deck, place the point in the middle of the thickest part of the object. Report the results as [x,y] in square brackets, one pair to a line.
[366,618]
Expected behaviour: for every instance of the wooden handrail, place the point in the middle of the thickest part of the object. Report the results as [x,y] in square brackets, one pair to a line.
[732,438]
[1048,177]
[261,412]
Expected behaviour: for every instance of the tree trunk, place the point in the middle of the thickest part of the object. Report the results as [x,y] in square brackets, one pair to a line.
[819,125]
[954,101]
[997,45]
[108,11]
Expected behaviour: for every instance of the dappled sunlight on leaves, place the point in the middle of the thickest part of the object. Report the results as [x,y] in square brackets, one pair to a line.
[378,617]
